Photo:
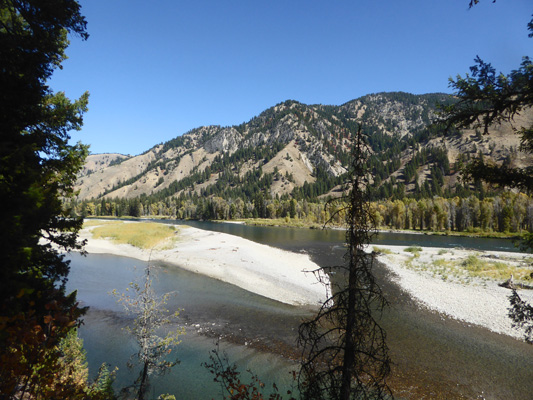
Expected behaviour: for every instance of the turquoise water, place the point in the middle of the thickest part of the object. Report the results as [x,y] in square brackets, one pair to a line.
[431,351]
[208,305]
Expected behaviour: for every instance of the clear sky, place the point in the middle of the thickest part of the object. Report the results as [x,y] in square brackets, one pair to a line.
[157,69]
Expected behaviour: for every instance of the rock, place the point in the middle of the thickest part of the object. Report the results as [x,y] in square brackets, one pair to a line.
[509,283]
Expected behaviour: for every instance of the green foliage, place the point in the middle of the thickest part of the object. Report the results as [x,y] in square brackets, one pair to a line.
[511,213]
[506,213]
[233,388]
[102,387]
[38,169]
[75,370]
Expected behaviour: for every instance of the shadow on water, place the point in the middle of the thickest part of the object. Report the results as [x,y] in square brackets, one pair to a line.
[434,357]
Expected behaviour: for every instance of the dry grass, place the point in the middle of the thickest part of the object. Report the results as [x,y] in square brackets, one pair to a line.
[145,235]
[87,223]
[381,250]
[478,267]
[413,249]
[475,268]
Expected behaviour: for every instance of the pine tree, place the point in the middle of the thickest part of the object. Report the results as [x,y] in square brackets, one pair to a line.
[344,351]
[38,169]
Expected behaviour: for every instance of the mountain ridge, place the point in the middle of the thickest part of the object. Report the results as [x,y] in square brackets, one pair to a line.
[296,150]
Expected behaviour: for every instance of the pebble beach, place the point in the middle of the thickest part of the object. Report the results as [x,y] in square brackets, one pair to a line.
[472,300]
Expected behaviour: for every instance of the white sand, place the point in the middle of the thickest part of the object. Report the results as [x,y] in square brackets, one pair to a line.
[478,302]
[280,275]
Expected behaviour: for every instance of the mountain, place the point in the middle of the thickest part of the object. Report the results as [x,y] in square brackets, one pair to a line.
[303,151]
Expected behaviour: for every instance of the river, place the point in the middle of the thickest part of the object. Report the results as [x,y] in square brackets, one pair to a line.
[434,357]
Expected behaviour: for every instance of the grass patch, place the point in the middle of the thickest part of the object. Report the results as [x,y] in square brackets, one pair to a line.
[474,268]
[285,222]
[144,235]
[477,233]
[87,223]
[477,267]
[381,250]
[415,250]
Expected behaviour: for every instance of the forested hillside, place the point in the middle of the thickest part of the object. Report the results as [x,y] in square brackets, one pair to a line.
[292,157]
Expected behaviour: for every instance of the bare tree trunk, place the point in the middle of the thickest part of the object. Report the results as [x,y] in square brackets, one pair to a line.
[151,315]
[143,386]
[349,347]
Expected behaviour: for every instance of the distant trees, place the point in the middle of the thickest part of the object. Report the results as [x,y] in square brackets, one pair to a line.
[508,212]
[511,212]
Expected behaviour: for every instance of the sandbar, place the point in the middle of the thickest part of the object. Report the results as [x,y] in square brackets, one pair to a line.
[475,301]
[280,275]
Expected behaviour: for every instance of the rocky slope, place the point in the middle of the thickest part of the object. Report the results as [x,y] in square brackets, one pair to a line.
[296,146]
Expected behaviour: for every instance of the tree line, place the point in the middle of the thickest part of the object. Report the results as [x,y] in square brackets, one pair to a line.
[507,212]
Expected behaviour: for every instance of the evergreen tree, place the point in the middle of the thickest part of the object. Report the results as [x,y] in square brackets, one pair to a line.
[487,98]
[38,169]
[344,351]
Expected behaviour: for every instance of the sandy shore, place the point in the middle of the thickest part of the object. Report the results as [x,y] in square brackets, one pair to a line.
[280,275]
[471,300]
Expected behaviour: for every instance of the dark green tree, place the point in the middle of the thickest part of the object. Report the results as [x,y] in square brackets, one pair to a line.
[38,169]
[522,315]
[487,98]
[344,351]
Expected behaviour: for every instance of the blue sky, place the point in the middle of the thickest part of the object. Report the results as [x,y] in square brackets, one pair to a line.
[157,69]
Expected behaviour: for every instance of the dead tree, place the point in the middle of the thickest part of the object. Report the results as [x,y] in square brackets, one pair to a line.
[151,315]
[344,351]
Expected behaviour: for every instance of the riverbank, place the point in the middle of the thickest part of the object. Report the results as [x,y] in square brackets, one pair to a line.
[434,356]
[277,274]
[304,224]
[461,284]
[296,223]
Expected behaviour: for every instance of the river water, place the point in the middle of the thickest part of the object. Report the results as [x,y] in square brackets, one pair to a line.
[433,357]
